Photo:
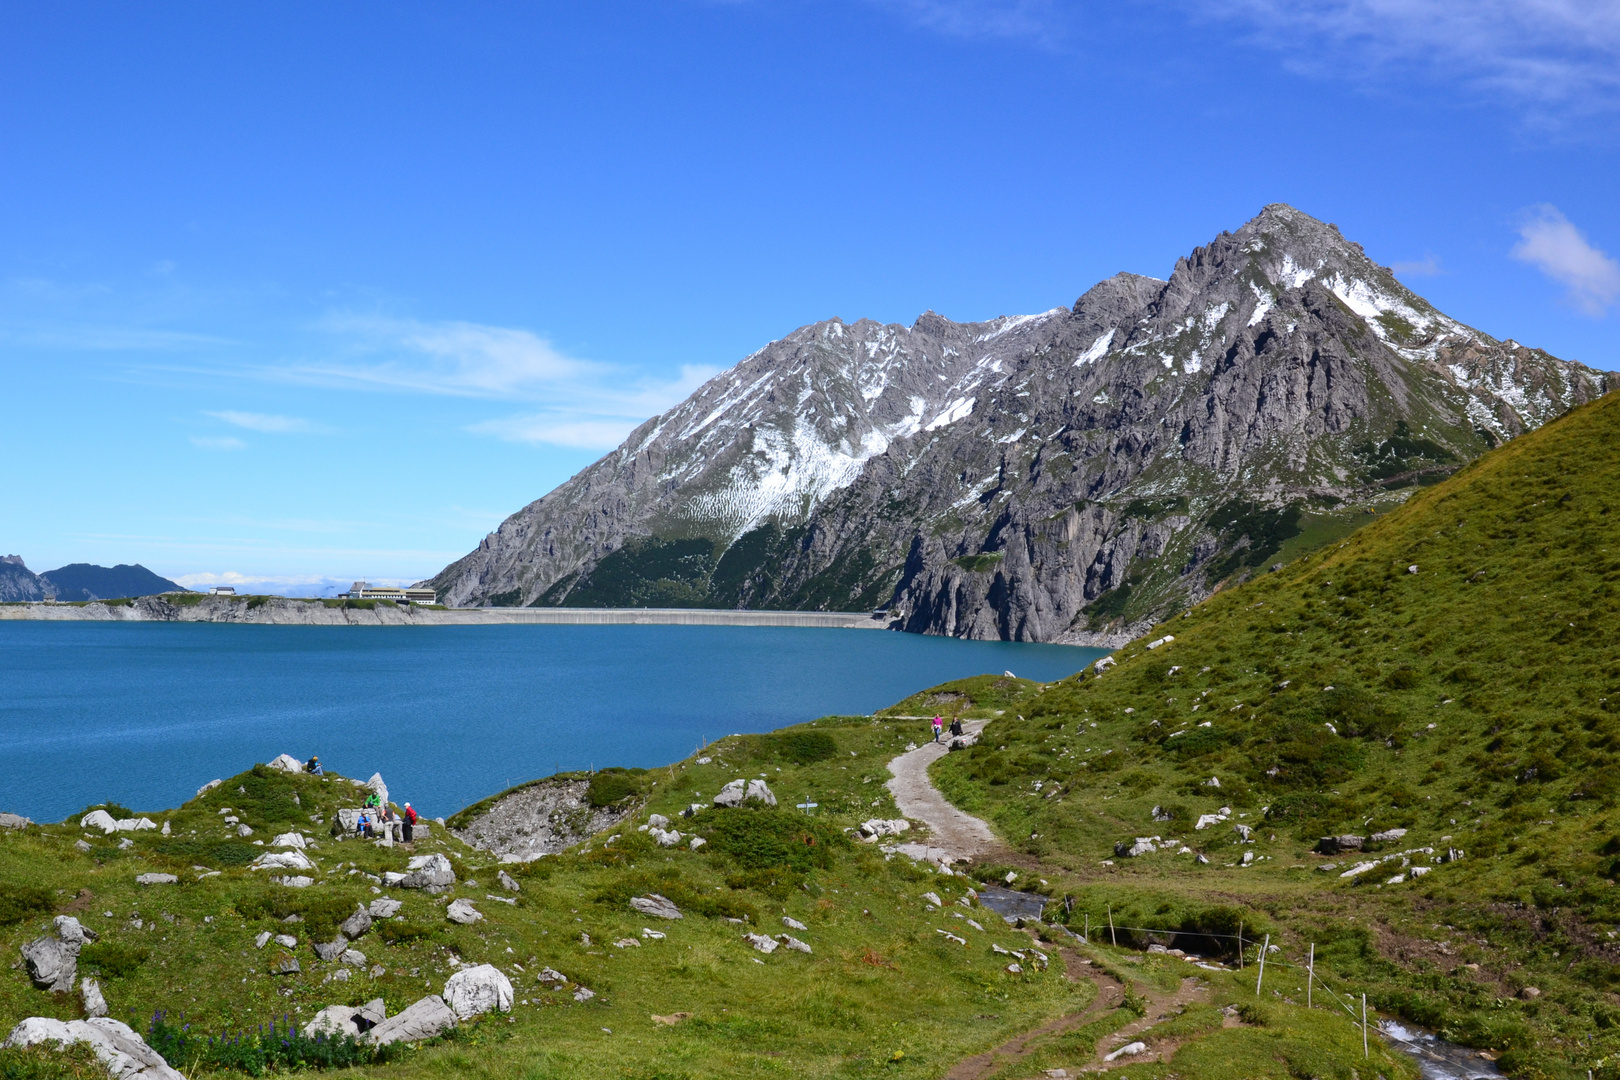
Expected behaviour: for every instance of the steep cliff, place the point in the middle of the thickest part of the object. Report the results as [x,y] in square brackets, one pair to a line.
[1061,476]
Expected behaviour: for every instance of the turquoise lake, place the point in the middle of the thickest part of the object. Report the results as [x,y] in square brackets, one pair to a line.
[143,714]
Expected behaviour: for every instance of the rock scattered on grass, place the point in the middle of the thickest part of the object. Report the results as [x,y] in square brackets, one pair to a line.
[462,911]
[425,1019]
[659,906]
[473,991]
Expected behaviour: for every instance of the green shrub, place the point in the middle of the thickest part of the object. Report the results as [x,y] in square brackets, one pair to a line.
[18,902]
[321,912]
[806,747]
[112,959]
[210,852]
[614,785]
[760,837]
[47,1062]
[396,931]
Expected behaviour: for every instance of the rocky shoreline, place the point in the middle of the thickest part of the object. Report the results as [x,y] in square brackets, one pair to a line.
[285,611]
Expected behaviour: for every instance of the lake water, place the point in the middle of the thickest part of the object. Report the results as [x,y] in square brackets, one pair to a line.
[143,714]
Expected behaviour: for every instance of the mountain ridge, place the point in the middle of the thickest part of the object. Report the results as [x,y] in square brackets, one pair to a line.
[1057,476]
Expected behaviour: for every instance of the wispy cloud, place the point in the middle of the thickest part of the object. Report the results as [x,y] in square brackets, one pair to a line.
[583,404]
[1555,56]
[460,359]
[1552,244]
[225,442]
[601,421]
[1428,266]
[263,422]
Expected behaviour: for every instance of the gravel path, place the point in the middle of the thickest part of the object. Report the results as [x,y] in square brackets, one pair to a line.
[953,834]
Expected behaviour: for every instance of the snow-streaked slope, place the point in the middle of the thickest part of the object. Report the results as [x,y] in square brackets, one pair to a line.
[1078,449]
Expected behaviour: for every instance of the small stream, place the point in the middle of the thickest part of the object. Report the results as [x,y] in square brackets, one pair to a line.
[1437,1059]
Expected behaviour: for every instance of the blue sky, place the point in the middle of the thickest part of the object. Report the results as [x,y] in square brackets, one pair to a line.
[296,293]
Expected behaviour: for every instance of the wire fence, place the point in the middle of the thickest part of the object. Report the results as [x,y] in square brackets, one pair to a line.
[1280,960]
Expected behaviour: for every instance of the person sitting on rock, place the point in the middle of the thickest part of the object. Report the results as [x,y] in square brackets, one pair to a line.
[313,767]
[362,825]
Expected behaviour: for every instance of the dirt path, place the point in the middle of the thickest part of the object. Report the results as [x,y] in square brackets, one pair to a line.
[1075,969]
[953,835]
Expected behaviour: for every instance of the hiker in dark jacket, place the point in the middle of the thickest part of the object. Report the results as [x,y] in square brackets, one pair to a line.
[956,726]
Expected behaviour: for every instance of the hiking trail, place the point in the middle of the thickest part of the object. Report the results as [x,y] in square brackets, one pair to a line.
[955,835]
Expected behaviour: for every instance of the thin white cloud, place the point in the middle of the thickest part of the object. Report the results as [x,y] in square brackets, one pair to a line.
[1558,57]
[583,404]
[599,423]
[225,442]
[1428,266]
[1552,244]
[459,359]
[263,422]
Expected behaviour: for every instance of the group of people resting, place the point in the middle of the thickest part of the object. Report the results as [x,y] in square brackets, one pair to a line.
[374,812]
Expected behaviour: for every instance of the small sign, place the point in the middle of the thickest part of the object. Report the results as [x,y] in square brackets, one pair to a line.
[807,806]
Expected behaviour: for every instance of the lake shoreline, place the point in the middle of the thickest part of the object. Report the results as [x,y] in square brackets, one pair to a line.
[291,611]
[287,611]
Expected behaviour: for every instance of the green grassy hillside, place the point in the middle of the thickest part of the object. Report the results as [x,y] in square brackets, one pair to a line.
[1452,670]
[884,994]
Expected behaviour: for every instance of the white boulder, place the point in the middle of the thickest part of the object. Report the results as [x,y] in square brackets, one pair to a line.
[287,763]
[99,819]
[282,860]
[288,839]
[473,991]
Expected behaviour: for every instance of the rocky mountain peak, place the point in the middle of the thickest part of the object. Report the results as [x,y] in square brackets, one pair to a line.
[1039,476]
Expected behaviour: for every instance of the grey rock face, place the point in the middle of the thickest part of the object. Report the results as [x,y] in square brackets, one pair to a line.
[1337,845]
[52,963]
[541,818]
[356,925]
[17,582]
[1062,476]
[331,950]
[428,871]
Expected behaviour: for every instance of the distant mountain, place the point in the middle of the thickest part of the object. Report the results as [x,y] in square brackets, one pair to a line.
[84,581]
[17,582]
[1043,477]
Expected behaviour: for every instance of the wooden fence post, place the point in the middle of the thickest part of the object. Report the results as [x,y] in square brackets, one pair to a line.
[1111,935]
[1364,1051]
[1262,976]
[1240,945]
[1310,975]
